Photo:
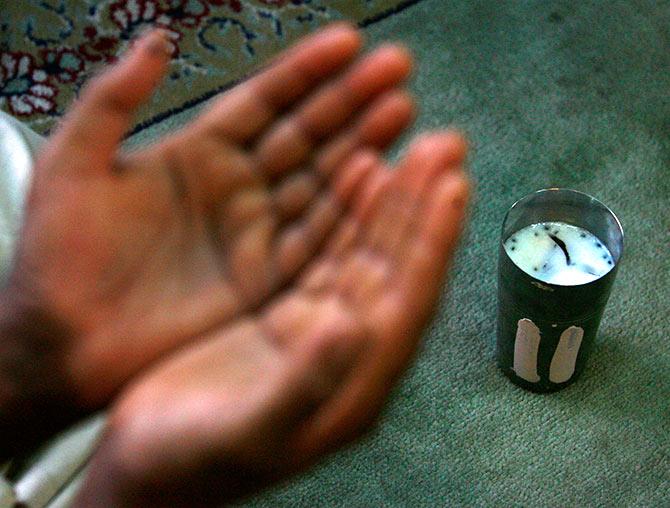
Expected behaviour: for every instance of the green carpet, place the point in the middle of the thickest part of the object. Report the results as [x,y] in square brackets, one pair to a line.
[551,93]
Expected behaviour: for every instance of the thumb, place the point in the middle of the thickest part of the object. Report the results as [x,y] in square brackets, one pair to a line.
[95,125]
[316,368]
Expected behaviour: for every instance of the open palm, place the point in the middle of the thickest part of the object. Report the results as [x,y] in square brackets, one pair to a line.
[261,274]
[138,253]
[276,389]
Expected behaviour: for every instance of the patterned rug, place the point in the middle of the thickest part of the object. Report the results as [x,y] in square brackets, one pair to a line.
[49,48]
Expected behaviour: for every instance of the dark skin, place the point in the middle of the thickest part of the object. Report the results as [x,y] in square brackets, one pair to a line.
[245,291]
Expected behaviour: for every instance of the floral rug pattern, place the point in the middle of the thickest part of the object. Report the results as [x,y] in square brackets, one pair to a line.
[48,48]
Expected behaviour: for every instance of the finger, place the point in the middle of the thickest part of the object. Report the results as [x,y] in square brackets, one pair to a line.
[320,276]
[294,195]
[331,109]
[250,260]
[329,270]
[388,117]
[351,227]
[354,406]
[398,213]
[433,244]
[429,156]
[379,126]
[335,103]
[246,110]
[400,315]
[369,195]
[387,218]
[209,169]
[382,123]
[98,121]
[396,319]
[357,404]
[318,364]
[299,241]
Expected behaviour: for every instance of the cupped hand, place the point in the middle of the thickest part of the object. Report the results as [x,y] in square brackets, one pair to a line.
[268,395]
[132,255]
[261,274]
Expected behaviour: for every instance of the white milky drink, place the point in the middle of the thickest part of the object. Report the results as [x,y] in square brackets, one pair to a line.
[559,253]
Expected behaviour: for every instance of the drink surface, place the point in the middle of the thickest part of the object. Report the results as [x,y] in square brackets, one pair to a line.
[559,253]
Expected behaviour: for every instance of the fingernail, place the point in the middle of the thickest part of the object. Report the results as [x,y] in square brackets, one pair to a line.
[158,44]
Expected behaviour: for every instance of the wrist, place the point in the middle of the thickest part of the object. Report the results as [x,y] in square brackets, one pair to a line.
[36,399]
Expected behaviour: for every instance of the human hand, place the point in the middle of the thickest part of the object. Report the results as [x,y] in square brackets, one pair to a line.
[126,256]
[271,393]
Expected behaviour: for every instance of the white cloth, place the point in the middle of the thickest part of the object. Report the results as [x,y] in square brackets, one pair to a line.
[18,146]
[51,476]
